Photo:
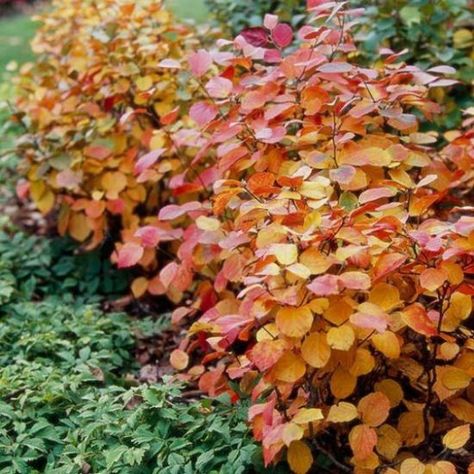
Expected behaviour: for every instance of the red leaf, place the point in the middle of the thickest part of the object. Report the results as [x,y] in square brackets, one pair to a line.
[282,35]
[256,36]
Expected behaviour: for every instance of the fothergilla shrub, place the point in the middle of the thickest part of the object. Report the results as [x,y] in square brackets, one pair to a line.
[106,78]
[329,268]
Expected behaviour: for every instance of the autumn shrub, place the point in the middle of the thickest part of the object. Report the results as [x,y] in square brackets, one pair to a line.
[104,81]
[325,269]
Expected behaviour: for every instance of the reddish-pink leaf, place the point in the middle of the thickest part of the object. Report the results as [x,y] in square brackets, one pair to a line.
[129,255]
[203,112]
[256,36]
[200,62]
[355,280]
[282,35]
[343,175]
[150,235]
[375,193]
[148,160]
[325,285]
[219,87]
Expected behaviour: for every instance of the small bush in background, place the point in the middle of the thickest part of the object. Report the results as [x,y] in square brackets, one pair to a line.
[106,75]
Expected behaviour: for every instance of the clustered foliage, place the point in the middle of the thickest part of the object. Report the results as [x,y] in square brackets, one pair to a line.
[92,102]
[320,244]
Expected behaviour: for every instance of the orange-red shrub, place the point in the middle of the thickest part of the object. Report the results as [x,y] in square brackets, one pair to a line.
[327,286]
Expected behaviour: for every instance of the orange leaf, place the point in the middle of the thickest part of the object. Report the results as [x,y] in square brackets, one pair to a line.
[374,408]
[362,440]
[417,319]
[294,322]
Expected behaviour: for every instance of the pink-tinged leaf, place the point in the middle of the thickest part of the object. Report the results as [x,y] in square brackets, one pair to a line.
[443,83]
[150,235]
[172,211]
[377,321]
[170,64]
[355,280]
[168,274]
[416,318]
[465,225]
[256,36]
[375,193]
[442,69]
[388,263]
[219,87]
[200,62]
[265,354]
[335,68]
[325,285]
[22,189]
[343,175]
[129,255]
[98,152]
[203,113]
[148,160]
[282,35]
[68,179]
[270,21]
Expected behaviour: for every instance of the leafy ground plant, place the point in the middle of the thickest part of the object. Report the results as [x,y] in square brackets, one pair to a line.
[69,402]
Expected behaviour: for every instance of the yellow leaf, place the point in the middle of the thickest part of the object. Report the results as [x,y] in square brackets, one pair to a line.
[315,350]
[317,262]
[294,322]
[286,254]
[308,415]
[411,427]
[392,390]
[412,466]
[341,338]
[113,183]
[291,432]
[389,441]
[139,286]
[457,437]
[384,295]
[144,83]
[79,227]
[455,379]
[289,368]
[342,383]
[299,457]
[207,223]
[342,413]
[387,343]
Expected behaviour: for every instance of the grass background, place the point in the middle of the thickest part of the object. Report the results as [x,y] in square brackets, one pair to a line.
[17,31]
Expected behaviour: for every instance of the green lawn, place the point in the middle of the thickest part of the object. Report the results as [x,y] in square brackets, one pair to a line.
[15,35]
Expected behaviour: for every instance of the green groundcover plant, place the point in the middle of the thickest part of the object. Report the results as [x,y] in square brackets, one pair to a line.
[68,403]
